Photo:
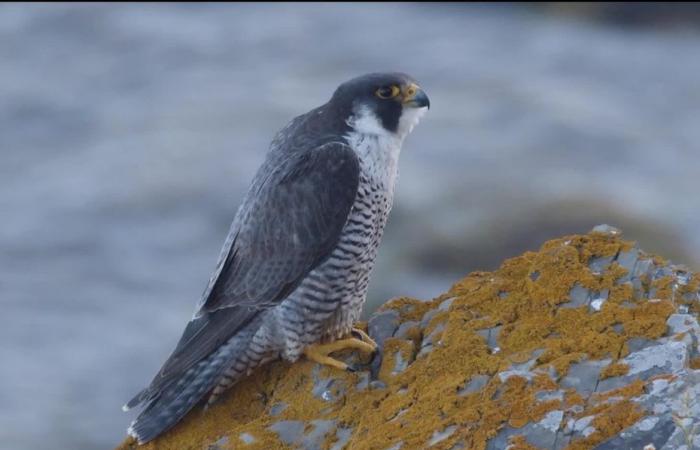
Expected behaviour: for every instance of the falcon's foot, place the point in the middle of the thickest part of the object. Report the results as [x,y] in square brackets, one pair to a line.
[319,352]
[364,337]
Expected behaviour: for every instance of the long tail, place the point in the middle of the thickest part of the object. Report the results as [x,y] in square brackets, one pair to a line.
[168,406]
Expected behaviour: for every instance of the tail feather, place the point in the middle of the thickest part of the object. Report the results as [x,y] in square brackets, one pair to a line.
[170,405]
[137,400]
[166,408]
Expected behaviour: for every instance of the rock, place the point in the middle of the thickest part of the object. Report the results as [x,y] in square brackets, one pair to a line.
[405,328]
[670,357]
[445,305]
[637,344]
[491,336]
[474,385]
[598,265]
[649,431]
[218,444]
[277,408]
[628,260]
[380,327]
[606,229]
[598,350]
[428,316]
[578,296]
[290,432]
[293,433]
[400,364]
[342,436]
[315,438]
[543,434]
[584,376]
[430,340]
[441,435]
[247,438]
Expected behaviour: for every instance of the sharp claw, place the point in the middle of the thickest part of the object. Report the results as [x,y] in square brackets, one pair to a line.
[364,337]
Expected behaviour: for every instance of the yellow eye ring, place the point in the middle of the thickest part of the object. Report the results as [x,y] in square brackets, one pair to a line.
[388,92]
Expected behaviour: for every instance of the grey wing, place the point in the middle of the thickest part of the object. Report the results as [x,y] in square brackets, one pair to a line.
[290,223]
[292,226]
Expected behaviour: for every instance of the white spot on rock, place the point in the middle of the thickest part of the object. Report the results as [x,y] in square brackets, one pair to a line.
[648,423]
[552,421]
[597,304]
[670,356]
[441,435]
[588,431]
[657,386]
[582,423]
[247,438]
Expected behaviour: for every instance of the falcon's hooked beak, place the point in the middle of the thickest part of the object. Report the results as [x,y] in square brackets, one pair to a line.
[414,96]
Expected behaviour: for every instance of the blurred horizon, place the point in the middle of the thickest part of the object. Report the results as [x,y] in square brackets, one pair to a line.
[130,132]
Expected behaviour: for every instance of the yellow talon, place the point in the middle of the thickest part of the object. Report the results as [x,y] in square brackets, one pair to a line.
[319,352]
[365,338]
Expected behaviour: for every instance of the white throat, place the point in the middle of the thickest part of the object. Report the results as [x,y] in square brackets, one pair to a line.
[379,148]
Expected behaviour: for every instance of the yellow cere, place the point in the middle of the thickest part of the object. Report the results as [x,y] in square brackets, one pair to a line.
[411,91]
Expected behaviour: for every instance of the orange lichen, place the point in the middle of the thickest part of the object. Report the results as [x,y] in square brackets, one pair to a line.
[664,287]
[613,411]
[408,308]
[664,376]
[573,398]
[615,370]
[633,389]
[542,382]
[694,363]
[524,297]
[406,350]
[609,421]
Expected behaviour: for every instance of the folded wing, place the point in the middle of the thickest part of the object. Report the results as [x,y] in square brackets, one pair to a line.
[290,223]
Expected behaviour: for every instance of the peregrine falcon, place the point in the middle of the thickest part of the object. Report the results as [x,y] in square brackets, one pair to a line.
[293,272]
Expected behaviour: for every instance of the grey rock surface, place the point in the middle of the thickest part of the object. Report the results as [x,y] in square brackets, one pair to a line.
[380,327]
[474,385]
[672,396]
[653,393]
[579,296]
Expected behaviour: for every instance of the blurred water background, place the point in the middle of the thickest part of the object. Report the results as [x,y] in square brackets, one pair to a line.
[128,134]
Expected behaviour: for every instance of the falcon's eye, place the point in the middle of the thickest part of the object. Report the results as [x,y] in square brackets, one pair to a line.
[388,91]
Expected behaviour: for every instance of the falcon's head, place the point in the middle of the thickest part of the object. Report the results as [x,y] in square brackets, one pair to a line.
[381,103]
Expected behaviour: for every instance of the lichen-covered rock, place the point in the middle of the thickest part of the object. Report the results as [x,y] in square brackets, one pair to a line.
[587,343]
